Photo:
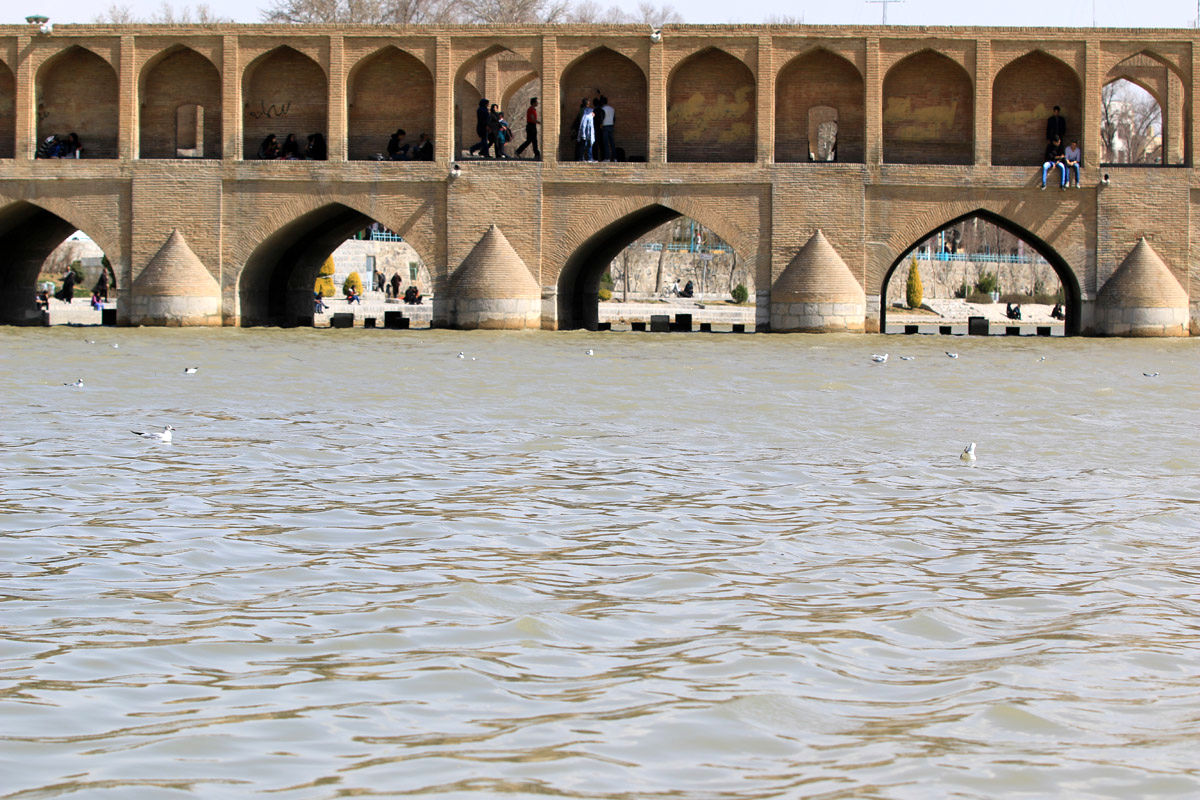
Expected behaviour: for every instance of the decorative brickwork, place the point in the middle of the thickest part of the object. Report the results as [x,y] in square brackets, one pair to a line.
[1142,298]
[817,292]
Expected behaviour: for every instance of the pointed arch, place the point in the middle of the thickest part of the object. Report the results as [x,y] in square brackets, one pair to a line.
[1024,95]
[77,91]
[283,91]
[179,94]
[1171,95]
[623,82]
[816,79]
[928,111]
[496,74]
[711,109]
[1066,275]
[388,89]
[8,109]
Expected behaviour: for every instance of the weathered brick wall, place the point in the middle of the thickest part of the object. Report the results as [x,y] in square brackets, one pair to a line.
[1023,97]
[181,77]
[623,83]
[77,92]
[819,78]
[8,109]
[390,90]
[284,92]
[711,109]
[928,111]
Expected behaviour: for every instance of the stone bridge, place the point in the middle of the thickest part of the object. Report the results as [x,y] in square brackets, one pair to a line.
[728,125]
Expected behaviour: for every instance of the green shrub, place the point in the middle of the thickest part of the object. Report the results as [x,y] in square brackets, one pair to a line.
[606,282]
[352,281]
[987,283]
[740,293]
[914,293]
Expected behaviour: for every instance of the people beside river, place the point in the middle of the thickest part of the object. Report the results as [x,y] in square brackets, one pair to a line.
[412,295]
[67,292]
[395,284]
[319,303]
[101,287]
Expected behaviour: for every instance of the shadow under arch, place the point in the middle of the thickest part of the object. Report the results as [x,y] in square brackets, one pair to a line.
[28,235]
[276,283]
[579,281]
[1073,304]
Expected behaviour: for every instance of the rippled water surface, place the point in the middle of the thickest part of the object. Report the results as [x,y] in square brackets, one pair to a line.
[708,566]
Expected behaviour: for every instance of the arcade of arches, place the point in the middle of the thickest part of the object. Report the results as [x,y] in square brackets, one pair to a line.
[875,136]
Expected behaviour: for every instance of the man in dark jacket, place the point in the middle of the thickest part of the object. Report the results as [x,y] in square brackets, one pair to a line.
[1056,126]
[1054,158]
[482,116]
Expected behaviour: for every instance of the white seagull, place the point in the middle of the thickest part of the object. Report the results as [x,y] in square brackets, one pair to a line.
[116,346]
[461,354]
[951,355]
[1147,374]
[879,359]
[907,358]
[968,453]
[589,353]
[190,370]
[78,384]
[163,436]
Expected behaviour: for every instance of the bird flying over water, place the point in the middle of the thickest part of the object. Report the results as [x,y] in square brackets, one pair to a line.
[163,436]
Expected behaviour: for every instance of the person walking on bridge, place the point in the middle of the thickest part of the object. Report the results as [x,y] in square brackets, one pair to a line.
[531,131]
[481,129]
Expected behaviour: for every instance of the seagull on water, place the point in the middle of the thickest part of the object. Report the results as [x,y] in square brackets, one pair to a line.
[461,354]
[116,346]
[907,358]
[78,384]
[1147,374]
[163,436]
[190,370]
[589,353]
[879,359]
[968,453]
[951,355]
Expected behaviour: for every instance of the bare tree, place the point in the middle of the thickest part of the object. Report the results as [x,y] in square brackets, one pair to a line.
[364,12]
[656,16]
[783,19]
[116,14]
[1130,124]
[510,12]
[166,14]
[588,12]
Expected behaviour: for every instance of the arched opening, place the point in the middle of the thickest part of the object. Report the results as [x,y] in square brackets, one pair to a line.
[1144,105]
[389,90]
[1023,98]
[654,261]
[278,282]
[8,110]
[284,92]
[39,248]
[1131,130]
[928,111]
[502,78]
[622,82]
[817,88]
[979,265]
[77,93]
[711,109]
[180,111]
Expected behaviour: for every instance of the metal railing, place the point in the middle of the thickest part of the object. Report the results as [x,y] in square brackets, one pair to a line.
[986,258]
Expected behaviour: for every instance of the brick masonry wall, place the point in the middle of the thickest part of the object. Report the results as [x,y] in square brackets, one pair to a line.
[182,77]
[819,78]
[711,109]
[78,92]
[8,110]
[391,90]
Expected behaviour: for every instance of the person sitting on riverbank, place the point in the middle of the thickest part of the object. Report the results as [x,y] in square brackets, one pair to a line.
[97,305]
[1057,312]
[319,303]
[352,296]
[412,295]
[688,289]
[42,299]
[1013,311]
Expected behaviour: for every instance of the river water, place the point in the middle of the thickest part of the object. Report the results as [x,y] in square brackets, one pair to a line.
[687,566]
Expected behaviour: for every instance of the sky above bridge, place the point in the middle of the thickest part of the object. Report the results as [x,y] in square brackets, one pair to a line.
[1071,13]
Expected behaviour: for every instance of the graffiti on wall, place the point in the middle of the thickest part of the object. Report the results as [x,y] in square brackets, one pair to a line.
[265,111]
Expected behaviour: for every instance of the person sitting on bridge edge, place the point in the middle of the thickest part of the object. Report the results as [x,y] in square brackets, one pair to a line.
[482,117]
[1054,158]
[290,149]
[269,149]
[424,149]
[397,149]
[531,134]
[1056,126]
[317,150]
[72,148]
[1072,161]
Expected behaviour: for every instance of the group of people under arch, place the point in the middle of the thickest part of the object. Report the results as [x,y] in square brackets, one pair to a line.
[315,150]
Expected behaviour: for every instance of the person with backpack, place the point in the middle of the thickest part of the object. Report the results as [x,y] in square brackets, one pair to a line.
[503,134]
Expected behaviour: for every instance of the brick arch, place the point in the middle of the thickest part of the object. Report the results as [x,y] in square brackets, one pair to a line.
[29,232]
[388,89]
[928,111]
[175,77]
[280,256]
[283,91]
[623,82]
[924,225]
[1024,95]
[711,109]
[819,77]
[1117,59]
[586,252]
[473,80]
[77,91]
[8,109]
